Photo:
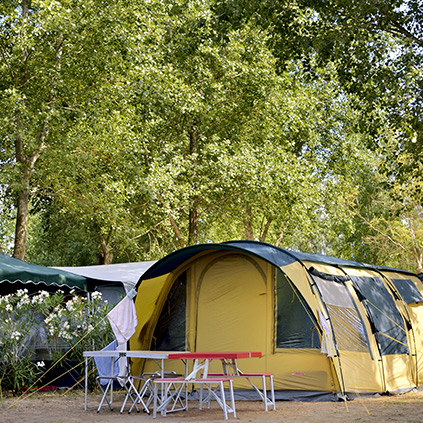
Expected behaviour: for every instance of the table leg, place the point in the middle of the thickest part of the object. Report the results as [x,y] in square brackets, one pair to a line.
[86,384]
[230,367]
[197,366]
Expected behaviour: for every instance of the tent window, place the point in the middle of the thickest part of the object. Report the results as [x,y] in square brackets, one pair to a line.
[388,323]
[408,290]
[169,334]
[294,325]
[346,322]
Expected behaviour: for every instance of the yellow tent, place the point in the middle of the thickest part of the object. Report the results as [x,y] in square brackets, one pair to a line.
[326,327]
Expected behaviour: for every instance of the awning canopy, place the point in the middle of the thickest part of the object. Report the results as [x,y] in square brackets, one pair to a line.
[17,272]
[126,273]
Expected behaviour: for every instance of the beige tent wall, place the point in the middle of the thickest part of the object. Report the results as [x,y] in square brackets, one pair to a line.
[416,316]
[397,368]
[360,371]
[302,369]
[233,295]
[231,306]
[230,298]
[410,360]
[309,368]
[415,312]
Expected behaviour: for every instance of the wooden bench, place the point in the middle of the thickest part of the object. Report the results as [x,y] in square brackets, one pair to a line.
[262,393]
[172,389]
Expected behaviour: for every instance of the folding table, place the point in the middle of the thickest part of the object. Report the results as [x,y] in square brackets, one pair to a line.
[200,375]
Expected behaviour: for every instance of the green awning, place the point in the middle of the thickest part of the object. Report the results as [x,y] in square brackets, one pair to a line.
[16,271]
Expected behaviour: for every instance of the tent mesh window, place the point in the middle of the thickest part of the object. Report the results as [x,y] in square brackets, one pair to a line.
[295,327]
[346,322]
[169,334]
[389,325]
[408,290]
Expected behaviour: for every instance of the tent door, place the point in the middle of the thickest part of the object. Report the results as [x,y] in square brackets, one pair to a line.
[231,306]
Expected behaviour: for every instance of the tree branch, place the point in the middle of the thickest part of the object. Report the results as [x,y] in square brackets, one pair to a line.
[266,229]
[398,29]
[177,231]
[371,226]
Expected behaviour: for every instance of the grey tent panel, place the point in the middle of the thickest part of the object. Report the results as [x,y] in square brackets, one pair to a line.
[407,290]
[294,325]
[389,325]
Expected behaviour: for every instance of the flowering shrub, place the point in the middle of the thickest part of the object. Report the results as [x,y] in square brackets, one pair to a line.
[71,324]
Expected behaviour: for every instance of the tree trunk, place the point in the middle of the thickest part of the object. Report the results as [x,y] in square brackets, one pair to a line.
[279,239]
[22,195]
[417,252]
[106,252]
[248,225]
[193,212]
[178,234]
[19,250]
[28,162]
[266,230]
[193,227]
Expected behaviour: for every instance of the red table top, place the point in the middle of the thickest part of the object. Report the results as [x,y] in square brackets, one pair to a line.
[213,355]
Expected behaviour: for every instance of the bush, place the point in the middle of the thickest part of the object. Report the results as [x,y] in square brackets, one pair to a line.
[65,325]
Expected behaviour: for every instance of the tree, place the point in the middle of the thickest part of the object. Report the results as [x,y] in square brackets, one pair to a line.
[184,122]
[54,56]
[201,97]
[88,199]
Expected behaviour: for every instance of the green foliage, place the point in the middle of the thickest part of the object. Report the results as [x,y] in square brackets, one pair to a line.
[71,325]
[146,127]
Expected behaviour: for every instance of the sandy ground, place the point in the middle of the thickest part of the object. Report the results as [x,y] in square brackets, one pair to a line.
[57,408]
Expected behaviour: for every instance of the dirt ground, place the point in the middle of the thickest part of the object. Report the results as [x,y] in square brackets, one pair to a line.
[54,407]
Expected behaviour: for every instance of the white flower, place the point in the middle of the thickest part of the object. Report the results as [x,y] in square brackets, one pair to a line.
[24,300]
[40,363]
[49,318]
[96,295]
[70,306]
[38,299]
[16,335]
[65,335]
[9,307]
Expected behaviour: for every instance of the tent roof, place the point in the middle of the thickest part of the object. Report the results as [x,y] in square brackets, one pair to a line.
[126,273]
[277,256]
[16,271]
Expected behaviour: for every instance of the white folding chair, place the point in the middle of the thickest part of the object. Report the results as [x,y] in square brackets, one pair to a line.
[114,371]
